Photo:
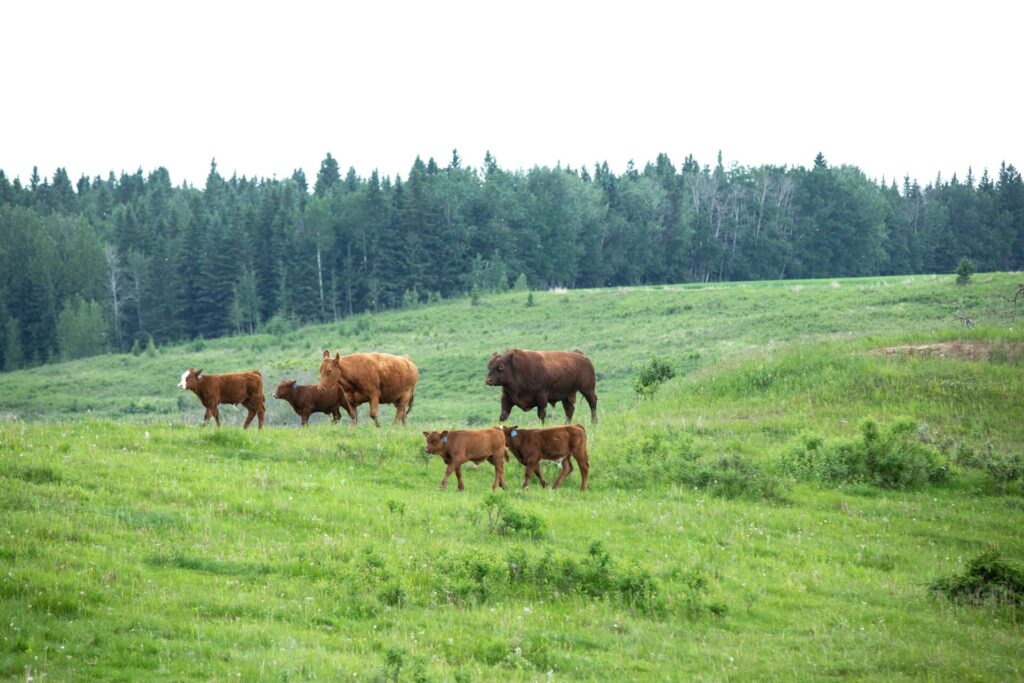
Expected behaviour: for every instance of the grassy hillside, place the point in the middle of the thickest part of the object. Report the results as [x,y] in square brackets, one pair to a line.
[694,326]
[741,523]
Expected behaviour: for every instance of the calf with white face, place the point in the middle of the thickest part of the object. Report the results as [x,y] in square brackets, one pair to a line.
[237,388]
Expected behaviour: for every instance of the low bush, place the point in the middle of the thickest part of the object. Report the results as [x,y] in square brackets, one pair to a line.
[987,578]
[651,376]
[662,456]
[503,519]
[889,457]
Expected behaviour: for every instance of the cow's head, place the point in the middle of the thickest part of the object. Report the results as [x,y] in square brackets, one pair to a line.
[435,441]
[284,389]
[190,379]
[330,371]
[498,369]
[511,434]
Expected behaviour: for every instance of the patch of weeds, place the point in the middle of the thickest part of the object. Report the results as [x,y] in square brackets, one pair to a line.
[666,456]
[988,578]
[595,575]
[889,457]
[397,661]
[733,476]
[1002,468]
[34,474]
[503,519]
[651,376]
[693,598]
[393,594]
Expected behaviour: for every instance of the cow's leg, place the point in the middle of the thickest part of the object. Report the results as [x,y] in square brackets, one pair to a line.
[454,465]
[528,477]
[215,411]
[399,411]
[206,416]
[569,407]
[542,407]
[374,405]
[566,470]
[353,414]
[335,416]
[591,397]
[498,460]
[584,462]
[304,416]
[540,474]
[249,415]
[261,412]
[506,407]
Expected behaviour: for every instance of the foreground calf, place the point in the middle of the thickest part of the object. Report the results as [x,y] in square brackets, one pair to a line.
[473,445]
[561,444]
[235,388]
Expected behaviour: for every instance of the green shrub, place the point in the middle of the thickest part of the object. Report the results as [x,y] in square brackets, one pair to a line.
[503,519]
[964,270]
[278,326]
[988,577]
[663,456]
[650,376]
[890,458]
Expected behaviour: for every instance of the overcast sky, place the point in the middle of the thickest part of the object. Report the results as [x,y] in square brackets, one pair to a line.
[892,87]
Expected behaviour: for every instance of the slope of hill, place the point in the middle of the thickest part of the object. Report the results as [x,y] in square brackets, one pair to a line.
[451,342]
[719,539]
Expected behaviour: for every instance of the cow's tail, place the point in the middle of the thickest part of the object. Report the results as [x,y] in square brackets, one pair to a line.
[257,372]
[412,399]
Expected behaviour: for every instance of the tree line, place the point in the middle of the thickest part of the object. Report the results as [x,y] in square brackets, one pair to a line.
[130,261]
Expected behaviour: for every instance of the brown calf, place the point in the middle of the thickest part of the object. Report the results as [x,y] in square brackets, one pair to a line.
[372,377]
[307,399]
[472,445]
[530,446]
[245,388]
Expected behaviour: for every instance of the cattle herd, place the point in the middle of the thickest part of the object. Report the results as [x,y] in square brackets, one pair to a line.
[528,380]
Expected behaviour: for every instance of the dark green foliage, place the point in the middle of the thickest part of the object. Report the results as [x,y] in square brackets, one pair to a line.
[890,457]
[504,519]
[1001,468]
[662,456]
[81,329]
[987,578]
[220,260]
[964,270]
[651,375]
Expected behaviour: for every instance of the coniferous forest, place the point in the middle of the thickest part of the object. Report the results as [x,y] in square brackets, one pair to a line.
[125,262]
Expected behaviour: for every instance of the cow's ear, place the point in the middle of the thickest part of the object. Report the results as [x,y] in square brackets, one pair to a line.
[199,372]
[444,436]
[426,433]
[327,353]
[494,355]
[337,356]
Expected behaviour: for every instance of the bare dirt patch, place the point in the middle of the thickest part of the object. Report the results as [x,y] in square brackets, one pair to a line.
[958,350]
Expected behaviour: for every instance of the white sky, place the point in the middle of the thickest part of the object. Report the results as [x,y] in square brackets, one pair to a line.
[892,87]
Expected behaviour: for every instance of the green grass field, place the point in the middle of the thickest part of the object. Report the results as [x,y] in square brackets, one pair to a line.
[728,532]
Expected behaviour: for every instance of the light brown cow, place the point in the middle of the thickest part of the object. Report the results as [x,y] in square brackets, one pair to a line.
[457,448]
[245,388]
[530,446]
[374,378]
